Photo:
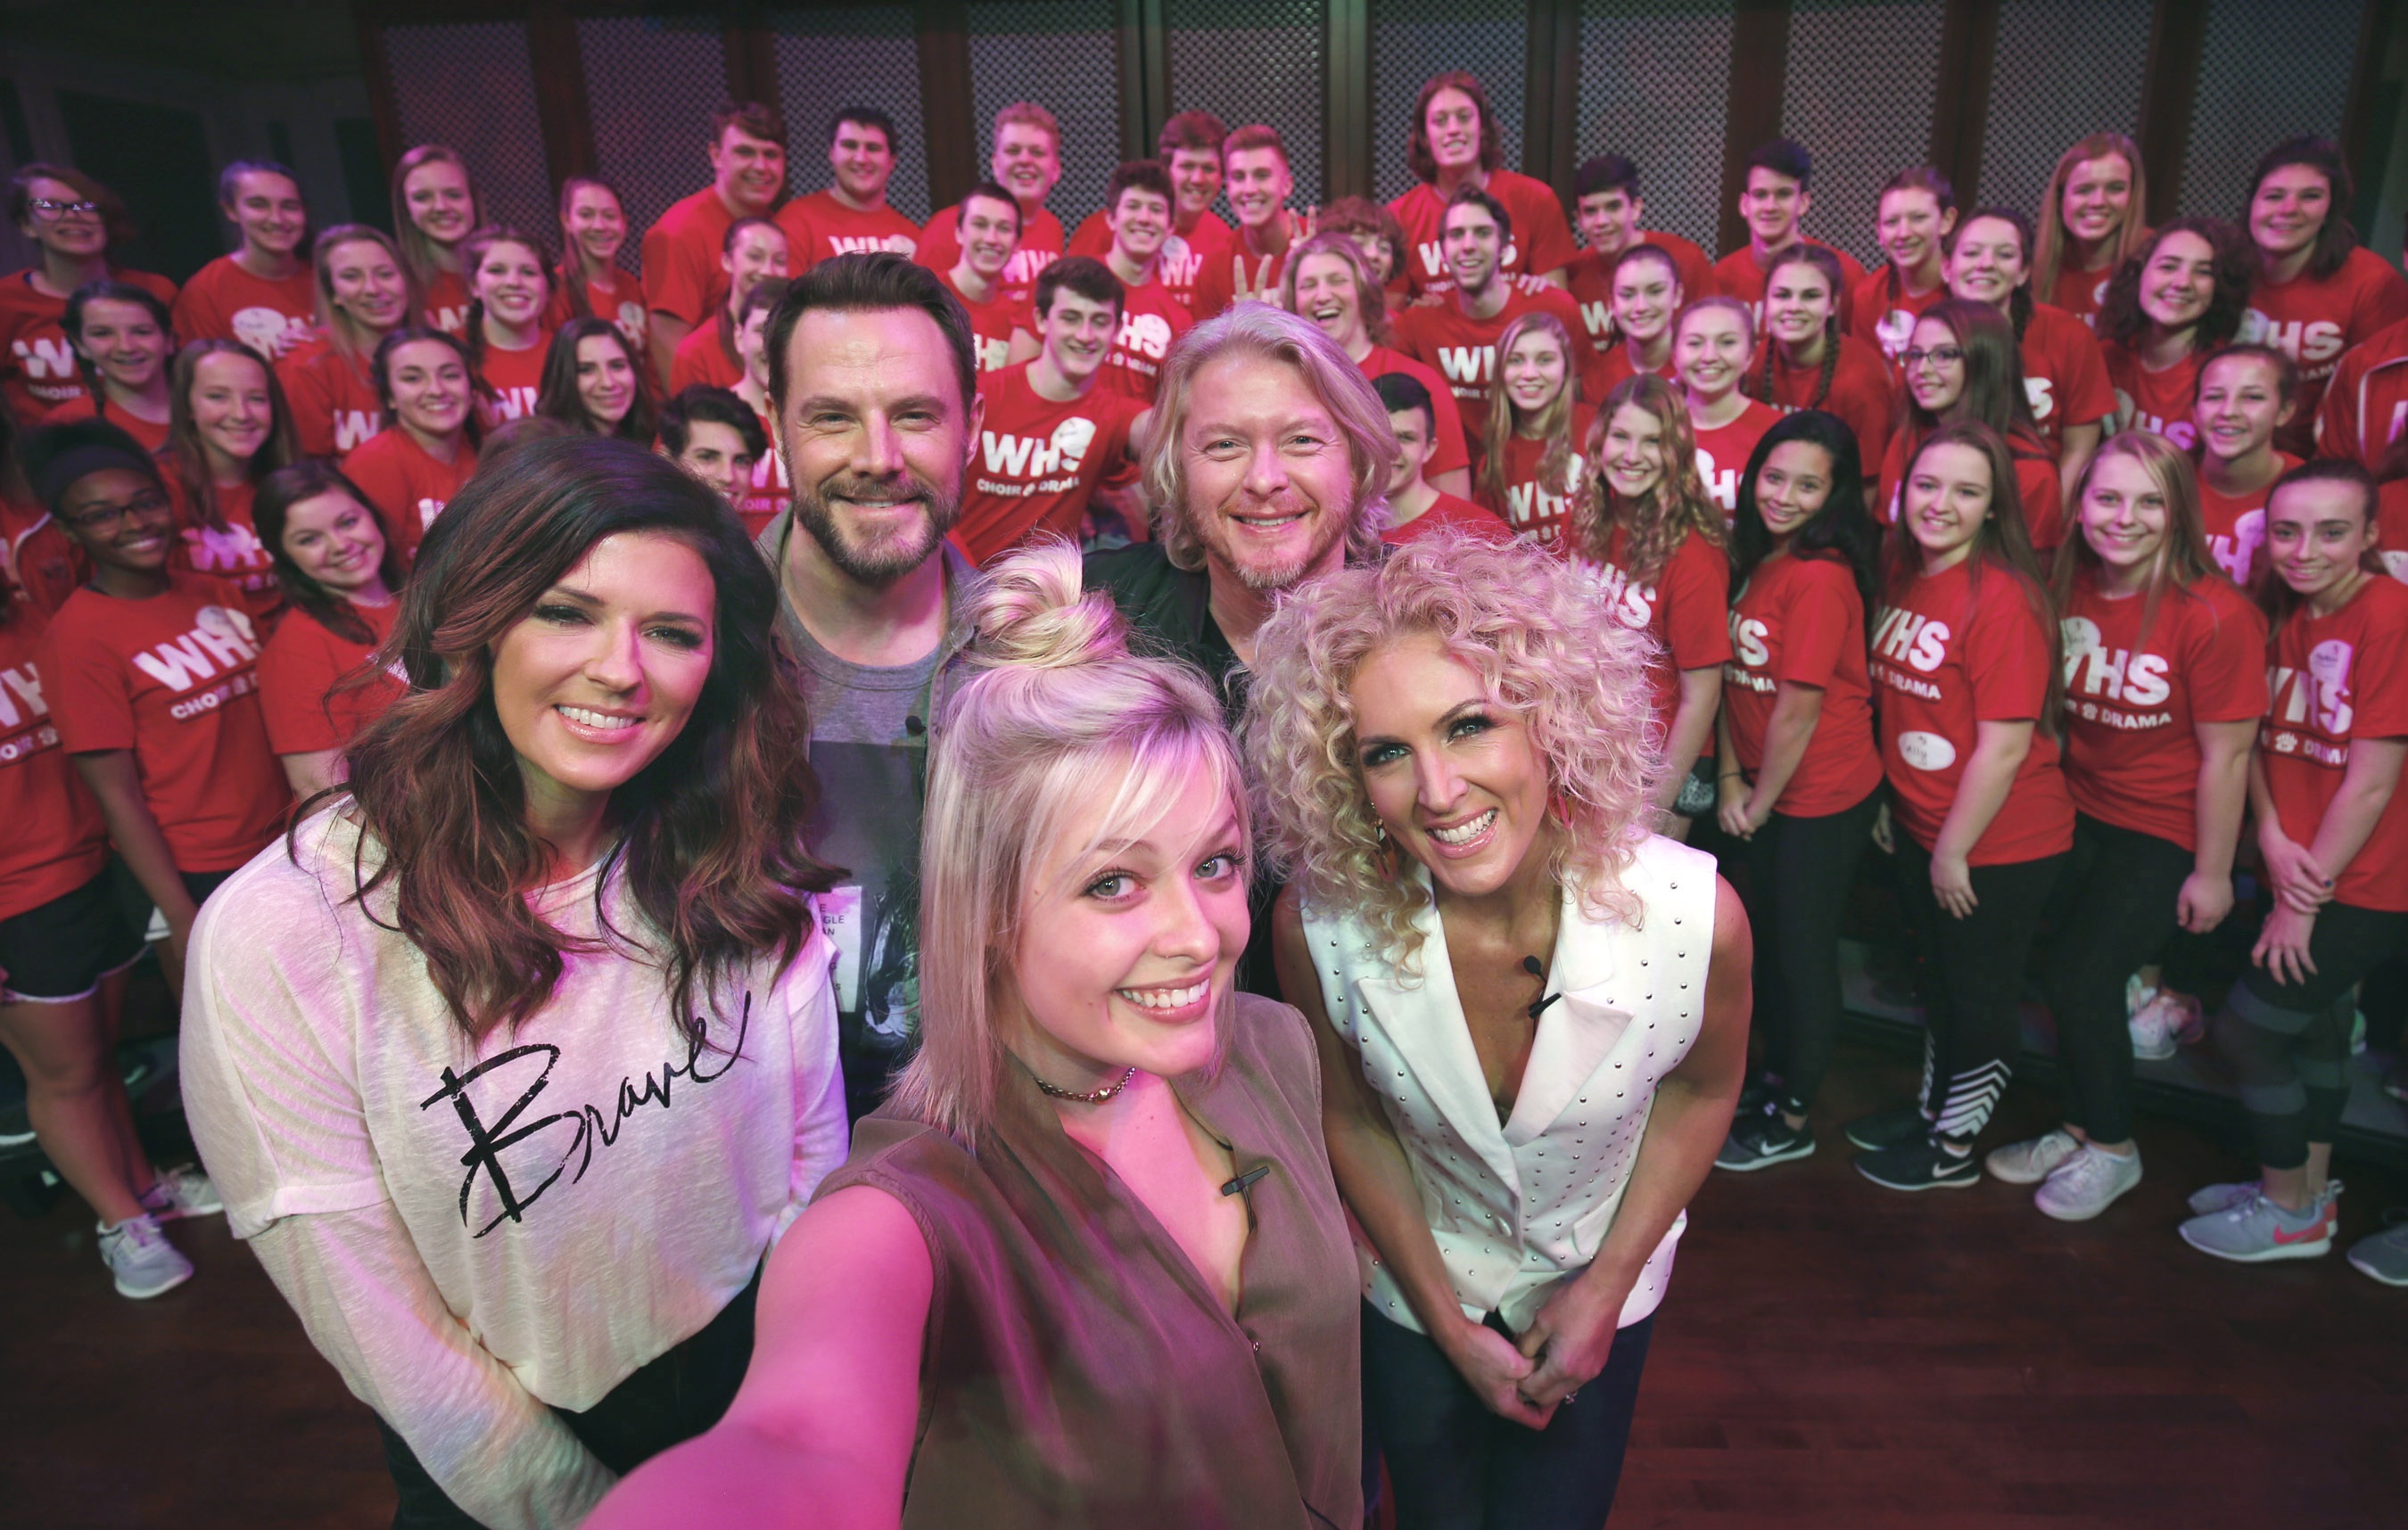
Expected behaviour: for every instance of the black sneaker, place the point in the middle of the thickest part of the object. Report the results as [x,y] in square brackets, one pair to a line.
[1760,1141]
[1761,1091]
[1921,1165]
[1890,1128]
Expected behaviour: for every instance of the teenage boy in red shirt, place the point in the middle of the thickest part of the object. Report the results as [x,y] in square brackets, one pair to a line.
[1416,507]
[1610,211]
[263,295]
[1054,438]
[1254,174]
[988,223]
[1027,162]
[1774,203]
[1455,145]
[681,271]
[1151,320]
[1189,147]
[852,214]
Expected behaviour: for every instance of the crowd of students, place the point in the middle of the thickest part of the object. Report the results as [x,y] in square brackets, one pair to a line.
[2050,564]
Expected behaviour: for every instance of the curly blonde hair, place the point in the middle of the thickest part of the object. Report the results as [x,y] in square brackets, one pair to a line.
[1545,643]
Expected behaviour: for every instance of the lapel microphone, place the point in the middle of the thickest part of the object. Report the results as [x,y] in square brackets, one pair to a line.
[1530,965]
[1245,1182]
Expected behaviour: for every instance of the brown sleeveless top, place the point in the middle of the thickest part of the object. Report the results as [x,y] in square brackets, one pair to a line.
[1079,1370]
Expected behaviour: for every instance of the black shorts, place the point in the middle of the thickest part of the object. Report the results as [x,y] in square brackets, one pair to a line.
[135,903]
[61,951]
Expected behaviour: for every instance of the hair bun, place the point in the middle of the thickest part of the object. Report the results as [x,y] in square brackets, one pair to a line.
[1033,608]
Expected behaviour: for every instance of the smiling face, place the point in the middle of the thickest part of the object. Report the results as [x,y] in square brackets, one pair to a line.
[1416,442]
[758,253]
[2179,280]
[2123,513]
[597,223]
[1988,262]
[1377,253]
[1533,372]
[606,380]
[2318,534]
[1474,247]
[1257,184]
[2241,405]
[231,407]
[990,234]
[336,540]
[368,285]
[1799,304]
[1773,204]
[1634,453]
[1792,488]
[1947,500]
[1271,486]
[1709,352]
[1077,333]
[1911,226]
[1128,951]
[1140,221]
[125,342]
[78,236]
[1610,221]
[752,348]
[862,161]
[430,387]
[1457,782]
[2097,198]
[1196,175]
[121,519]
[1452,119]
[1028,163]
[1935,366]
[510,279]
[748,172]
[268,210]
[437,195]
[600,677]
[2288,209]
[1324,293]
[717,455]
[1646,294]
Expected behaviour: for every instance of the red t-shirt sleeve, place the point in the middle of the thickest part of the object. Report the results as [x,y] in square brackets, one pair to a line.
[1120,456]
[85,681]
[1695,594]
[940,244]
[675,281]
[297,672]
[2042,494]
[2006,654]
[2378,678]
[2088,397]
[2226,670]
[1551,239]
[1816,626]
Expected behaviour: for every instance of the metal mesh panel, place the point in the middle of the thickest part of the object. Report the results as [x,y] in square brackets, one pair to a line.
[1058,53]
[1414,39]
[2245,107]
[469,85]
[1654,75]
[840,56]
[2045,96]
[1257,60]
[1863,78]
[652,83]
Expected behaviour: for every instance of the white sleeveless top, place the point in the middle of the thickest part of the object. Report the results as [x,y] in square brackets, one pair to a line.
[1520,1207]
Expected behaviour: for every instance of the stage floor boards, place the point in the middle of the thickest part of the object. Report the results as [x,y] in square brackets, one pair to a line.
[1831,1354]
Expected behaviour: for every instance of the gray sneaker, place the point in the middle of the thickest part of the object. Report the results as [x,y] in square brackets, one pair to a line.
[183,1192]
[2258,1232]
[2030,1163]
[2226,1197]
[2383,1255]
[2087,1183]
[138,1253]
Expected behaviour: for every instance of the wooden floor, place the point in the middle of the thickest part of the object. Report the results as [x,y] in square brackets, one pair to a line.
[1831,1355]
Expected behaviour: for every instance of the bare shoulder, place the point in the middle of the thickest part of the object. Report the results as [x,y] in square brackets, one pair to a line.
[1732,939]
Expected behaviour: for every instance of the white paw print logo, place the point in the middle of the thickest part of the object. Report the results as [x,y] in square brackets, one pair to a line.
[262,329]
[1072,437]
[224,621]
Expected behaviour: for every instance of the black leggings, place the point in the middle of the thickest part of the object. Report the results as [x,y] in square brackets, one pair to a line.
[1974,983]
[2116,910]
[1798,872]
[2289,1042]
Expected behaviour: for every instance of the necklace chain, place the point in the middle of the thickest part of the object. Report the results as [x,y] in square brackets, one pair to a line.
[1088,1096]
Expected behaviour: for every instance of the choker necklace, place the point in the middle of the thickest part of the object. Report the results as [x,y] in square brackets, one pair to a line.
[1087,1096]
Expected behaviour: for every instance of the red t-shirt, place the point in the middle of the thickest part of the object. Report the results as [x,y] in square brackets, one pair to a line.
[1039,462]
[1151,320]
[1862,395]
[447,301]
[1589,278]
[405,485]
[1183,254]
[772,490]
[1447,423]
[2080,294]
[56,841]
[1463,350]
[299,670]
[703,357]
[2236,523]
[1803,621]
[1723,452]
[1686,610]
[1882,312]
[234,553]
[2157,401]
[39,370]
[2037,486]
[1450,512]
[1738,275]
[225,302]
[681,257]
[333,398]
[1234,274]
[2065,375]
[2333,679]
[1041,246]
[37,557]
[1529,506]
[614,295]
[2132,703]
[1540,242]
[1614,367]
[174,679]
[2313,321]
[152,436]
[2366,399]
[819,225]
[2391,526]
[512,380]
[1951,654]
[992,321]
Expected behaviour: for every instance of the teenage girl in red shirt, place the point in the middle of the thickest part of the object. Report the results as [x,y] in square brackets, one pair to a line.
[122,336]
[1805,362]
[341,576]
[1800,774]
[2244,399]
[231,429]
[2167,310]
[509,284]
[1712,342]
[362,296]
[412,467]
[2065,375]
[70,221]
[594,380]
[2332,831]
[2165,681]
[589,283]
[1962,366]
[1965,673]
[2092,220]
[434,208]
[1917,214]
[1530,470]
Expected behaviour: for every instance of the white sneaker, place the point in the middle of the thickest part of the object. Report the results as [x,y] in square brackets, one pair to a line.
[2087,1183]
[138,1253]
[2030,1163]
[2185,1020]
[183,1192]
[2152,1033]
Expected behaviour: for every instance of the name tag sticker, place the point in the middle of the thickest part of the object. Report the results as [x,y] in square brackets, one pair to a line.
[841,916]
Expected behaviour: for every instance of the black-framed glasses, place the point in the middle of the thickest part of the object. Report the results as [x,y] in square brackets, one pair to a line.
[1941,356]
[107,518]
[50,206]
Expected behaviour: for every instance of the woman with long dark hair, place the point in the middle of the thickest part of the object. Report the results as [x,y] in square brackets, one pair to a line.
[2092,220]
[342,577]
[594,380]
[2168,309]
[434,208]
[412,467]
[569,864]
[230,429]
[1800,778]
[363,294]
[1962,368]
[124,336]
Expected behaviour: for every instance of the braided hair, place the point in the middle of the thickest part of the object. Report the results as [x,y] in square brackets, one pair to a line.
[1828,264]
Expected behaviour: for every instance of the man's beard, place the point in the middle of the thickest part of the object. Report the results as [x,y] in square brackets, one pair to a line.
[880,562]
[1272,578]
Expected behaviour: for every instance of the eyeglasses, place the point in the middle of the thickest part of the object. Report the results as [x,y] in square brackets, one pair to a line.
[50,206]
[1939,356]
[107,518]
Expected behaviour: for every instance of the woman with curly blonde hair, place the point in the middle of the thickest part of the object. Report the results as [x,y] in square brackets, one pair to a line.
[1654,544]
[1532,1013]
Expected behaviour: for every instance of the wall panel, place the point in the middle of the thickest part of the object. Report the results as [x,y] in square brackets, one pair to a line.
[839,56]
[1652,83]
[1059,53]
[470,84]
[650,85]
[1257,60]
[2245,108]
[1863,78]
[1414,39]
[2044,96]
